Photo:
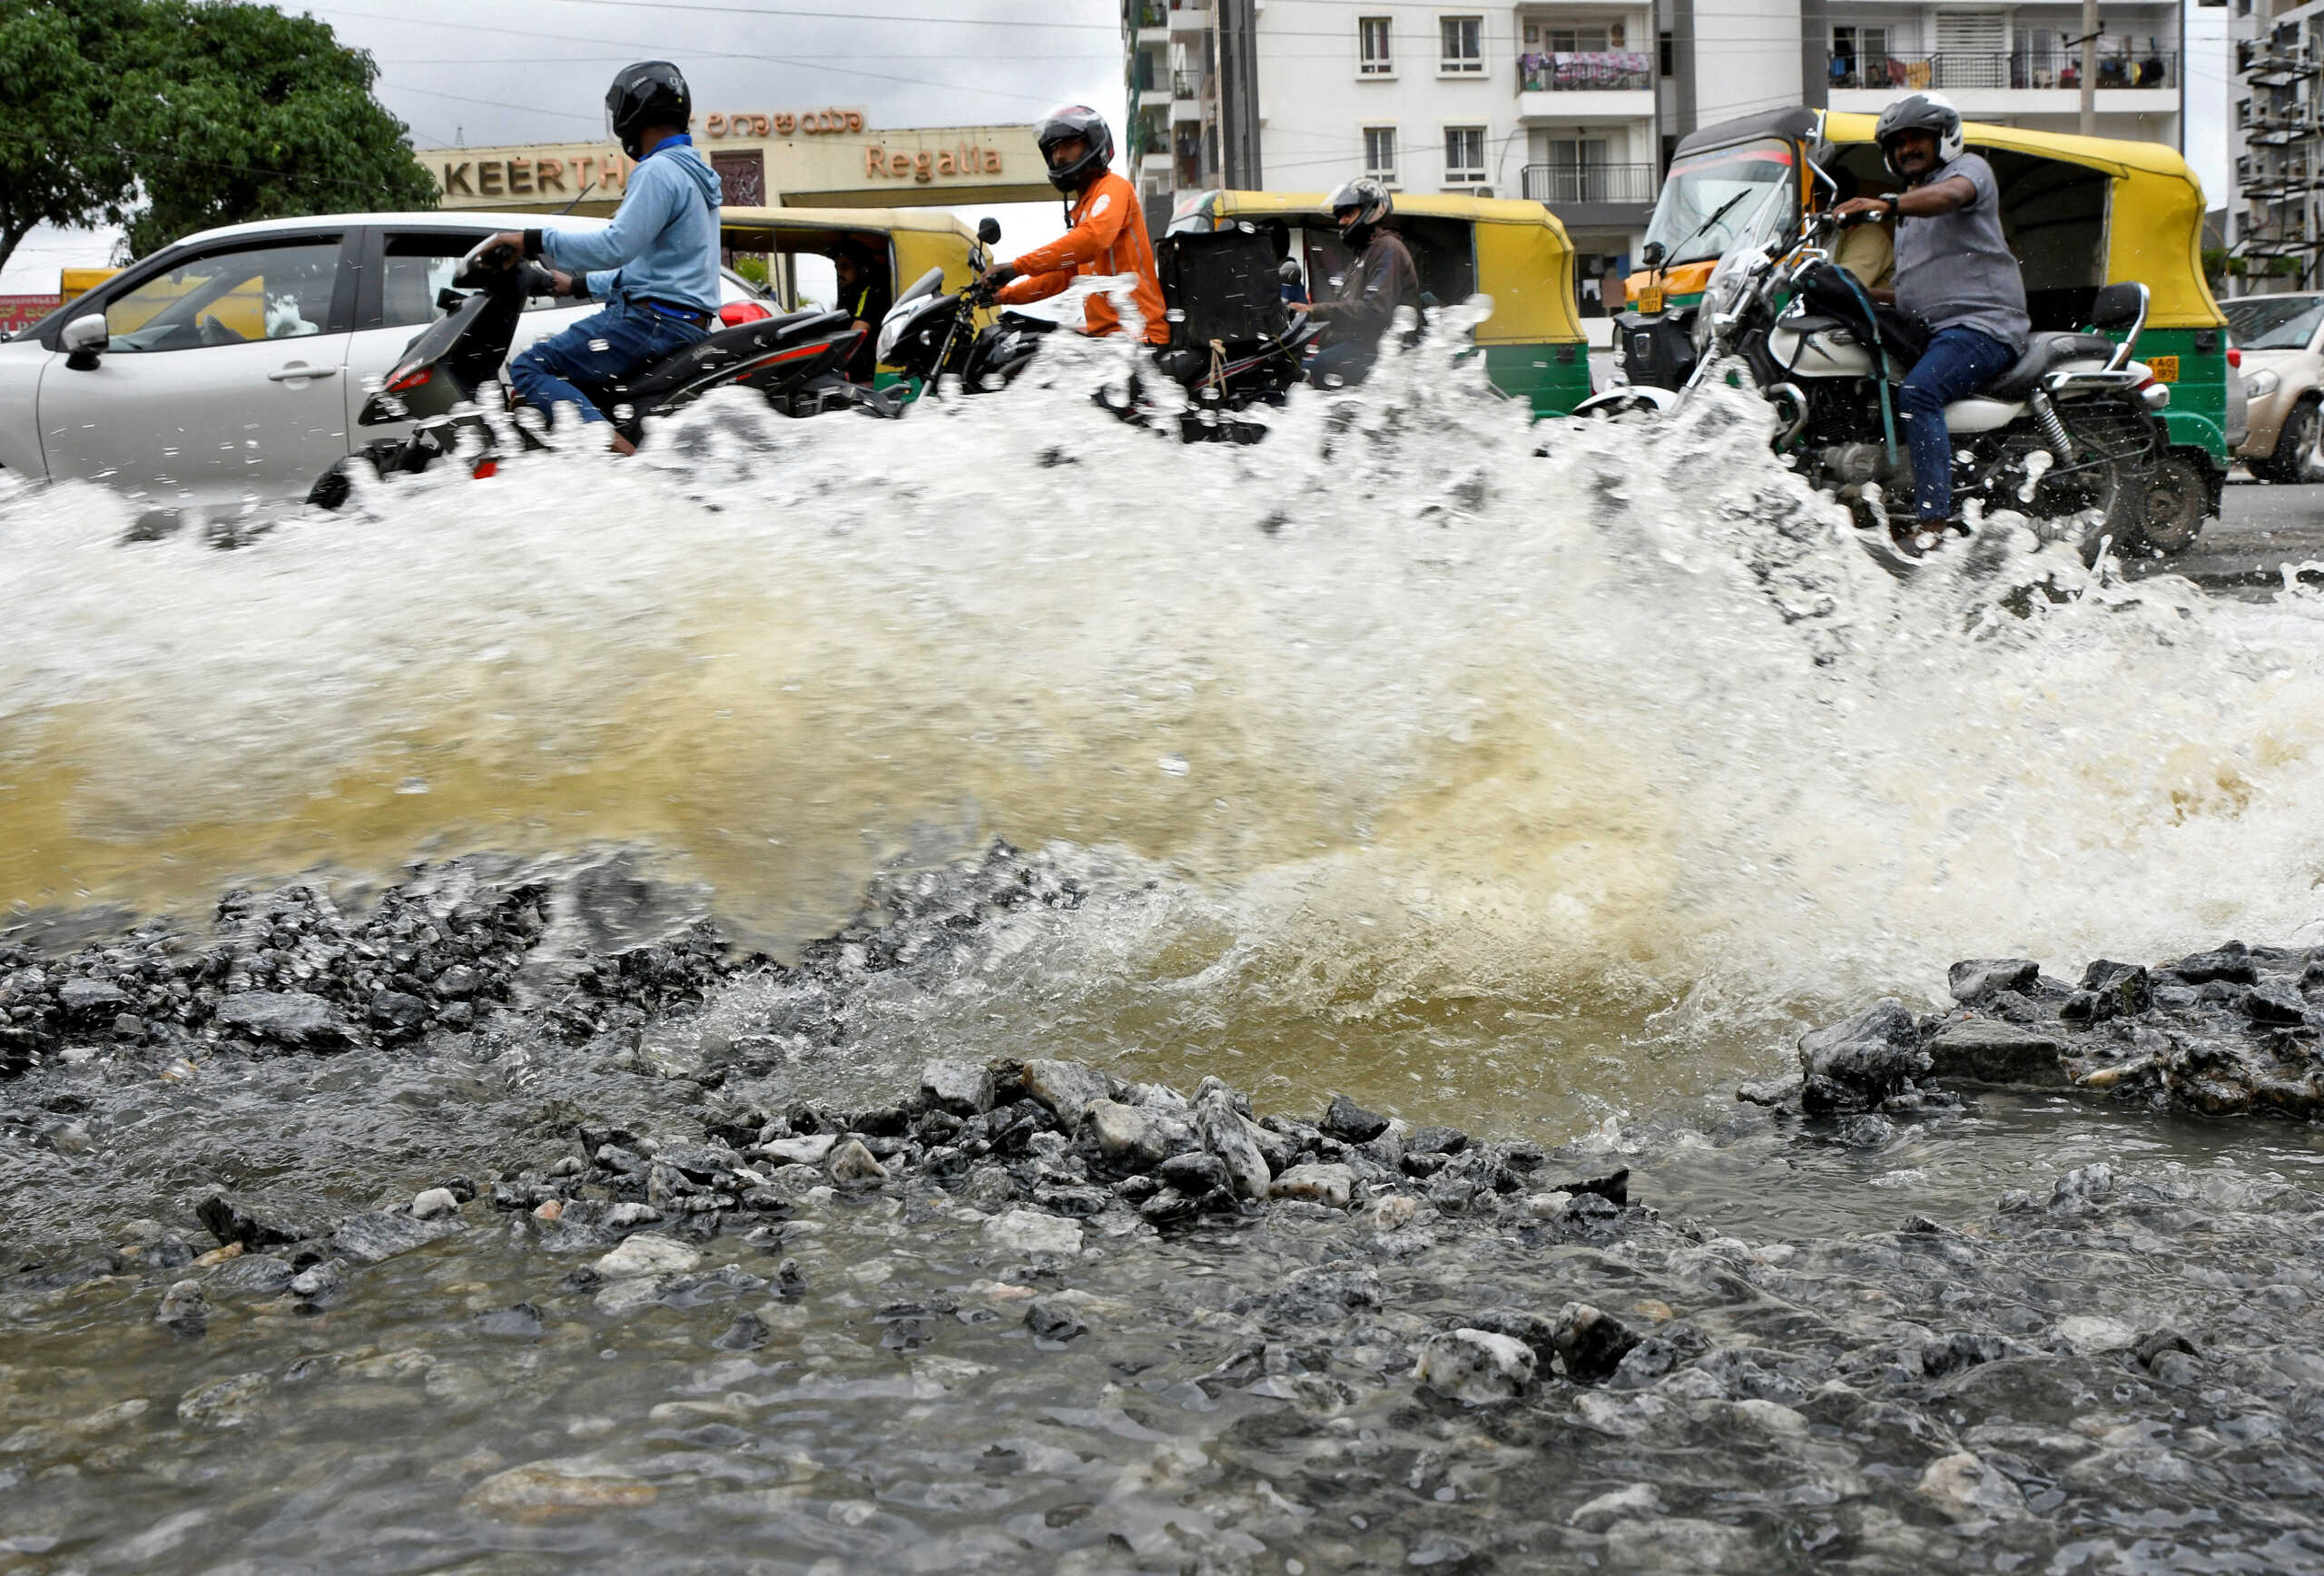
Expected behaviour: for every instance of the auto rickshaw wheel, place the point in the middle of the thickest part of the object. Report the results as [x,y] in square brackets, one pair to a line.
[2177,497]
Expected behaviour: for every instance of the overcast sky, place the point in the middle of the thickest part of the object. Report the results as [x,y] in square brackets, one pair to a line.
[458,72]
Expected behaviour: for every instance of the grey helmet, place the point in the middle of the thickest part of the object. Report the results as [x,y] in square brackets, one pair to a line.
[1919,112]
[1063,124]
[1372,203]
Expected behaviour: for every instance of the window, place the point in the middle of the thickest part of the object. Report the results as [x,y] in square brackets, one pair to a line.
[417,266]
[1375,57]
[279,292]
[1667,47]
[1380,152]
[1585,39]
[1464,155]
[1464,46]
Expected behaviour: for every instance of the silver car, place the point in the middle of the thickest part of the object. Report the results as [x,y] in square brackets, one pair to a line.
[233,362]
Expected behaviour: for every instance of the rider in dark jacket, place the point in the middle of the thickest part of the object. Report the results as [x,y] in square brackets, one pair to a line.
[1381,277]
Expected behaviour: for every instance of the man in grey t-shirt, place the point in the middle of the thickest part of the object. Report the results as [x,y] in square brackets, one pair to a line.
[1954,270]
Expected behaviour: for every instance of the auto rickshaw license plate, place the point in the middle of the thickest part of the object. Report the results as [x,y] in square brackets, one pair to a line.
[2164,368]
[1649,300]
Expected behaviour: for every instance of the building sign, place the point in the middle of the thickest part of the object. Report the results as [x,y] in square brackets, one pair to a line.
[767,123]
[544,172]
[18,312]
[921,165]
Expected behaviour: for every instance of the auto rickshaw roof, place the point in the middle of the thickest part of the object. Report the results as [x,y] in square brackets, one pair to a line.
[935,221]
[1793,122]
[1419,204]
[2113,155]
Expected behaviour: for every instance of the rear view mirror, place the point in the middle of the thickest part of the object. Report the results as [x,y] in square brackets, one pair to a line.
[83,340]
[988,230]
[2116,306]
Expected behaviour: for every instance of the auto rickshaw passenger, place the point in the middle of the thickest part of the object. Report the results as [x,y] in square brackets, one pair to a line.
[1380,277]
[1864,249]
[864,294]
[1107,235]
[1954,270]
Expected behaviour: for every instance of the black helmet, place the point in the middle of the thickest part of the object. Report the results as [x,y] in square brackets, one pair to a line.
[1063,124]
[649,94]
[1372,203]
[1920,112]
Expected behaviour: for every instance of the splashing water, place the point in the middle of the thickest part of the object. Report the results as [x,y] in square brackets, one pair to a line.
[1391,742]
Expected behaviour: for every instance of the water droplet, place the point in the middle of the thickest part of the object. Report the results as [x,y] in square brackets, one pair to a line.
[1174,764]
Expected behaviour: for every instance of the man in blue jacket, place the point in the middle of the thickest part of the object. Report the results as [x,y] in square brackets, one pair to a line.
[655,266]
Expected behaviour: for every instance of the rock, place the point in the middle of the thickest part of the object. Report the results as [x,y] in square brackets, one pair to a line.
[812,1150]
[185,1304]
[2278,1002]
[2089,1337]
[1638,1500]
[1120,1135]
[1475,1366]
[1168,1206]
[1775,1092]
[1436,1141]
[433,1203]
[1391,1213]
[1050,1320]
[964,1089]
[1328,1185]
[649,1253]
[369,1237]
[988,1188]
[320,1282]
[1226,1134]
[2231,962]
[1591,1345]
[2152,1346]
[399,1011]
[1350,1123]
[853,1166]
[1030,1231]
[630,1215]
[1964,1488]
[1859,1062]
[543,1489]
[1196,1174]
[2109,991]
[223,1402]
[232,1225]
[260,1274]
[1614,1188]
[458,983]
[1066,1089]
[90,1001]
[1982,1050]
[1973,979]
[291,1018]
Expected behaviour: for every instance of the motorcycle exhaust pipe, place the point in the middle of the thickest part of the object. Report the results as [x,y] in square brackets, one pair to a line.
[1792,397]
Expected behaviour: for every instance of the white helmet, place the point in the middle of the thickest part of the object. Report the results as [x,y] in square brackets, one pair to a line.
[1919,112]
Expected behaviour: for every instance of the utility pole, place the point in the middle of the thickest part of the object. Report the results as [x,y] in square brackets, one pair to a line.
[2089,68]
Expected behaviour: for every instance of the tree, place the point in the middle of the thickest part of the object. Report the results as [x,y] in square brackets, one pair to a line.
[236,112]
[60,81]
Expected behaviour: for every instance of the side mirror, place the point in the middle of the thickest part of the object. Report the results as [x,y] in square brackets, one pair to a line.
[1288,271]
[988,230]
[1653,254]
[84,339]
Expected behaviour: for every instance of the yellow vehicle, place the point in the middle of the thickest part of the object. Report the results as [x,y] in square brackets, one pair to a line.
[798,244]
[1516,252]
[2080,212]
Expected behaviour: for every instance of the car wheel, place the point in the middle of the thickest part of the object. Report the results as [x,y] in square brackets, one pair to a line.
[2294,459]
[2177,497]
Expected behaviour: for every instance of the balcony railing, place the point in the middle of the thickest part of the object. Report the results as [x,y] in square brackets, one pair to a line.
[1186,85]
[2024,69]
[1594,71]
[1558,184]
[1150,13]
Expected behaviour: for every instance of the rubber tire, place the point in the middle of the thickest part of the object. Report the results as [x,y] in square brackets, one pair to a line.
[2178,483]
[2295,445]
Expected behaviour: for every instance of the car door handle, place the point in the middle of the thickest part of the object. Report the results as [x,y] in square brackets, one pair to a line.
[292,374]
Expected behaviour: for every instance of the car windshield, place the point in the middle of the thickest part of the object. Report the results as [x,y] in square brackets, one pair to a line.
[2274,322]
[1708,199]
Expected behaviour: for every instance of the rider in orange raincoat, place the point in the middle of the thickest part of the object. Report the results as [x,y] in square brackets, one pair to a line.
[1108,234]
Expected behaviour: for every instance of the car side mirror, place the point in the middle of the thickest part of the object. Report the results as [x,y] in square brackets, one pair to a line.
[84,339]
[988,230]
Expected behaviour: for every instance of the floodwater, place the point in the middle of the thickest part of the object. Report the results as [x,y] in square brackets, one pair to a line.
[1545,794]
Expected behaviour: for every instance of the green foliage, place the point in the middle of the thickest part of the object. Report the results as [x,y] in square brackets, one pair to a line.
[2214,261]
[2284,266]
[752,267]
[168,116]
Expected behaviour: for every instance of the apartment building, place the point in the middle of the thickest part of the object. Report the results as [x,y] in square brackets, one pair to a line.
[1577,103]
[2278,131]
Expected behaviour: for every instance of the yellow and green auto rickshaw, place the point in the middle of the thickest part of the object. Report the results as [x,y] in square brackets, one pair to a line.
[1515,252]
[798,243]
[2080,212]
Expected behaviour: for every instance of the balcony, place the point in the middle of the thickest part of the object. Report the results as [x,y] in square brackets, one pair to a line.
[1190,15]
[1576,88]
[1566,185]
[1151,19]
[2019,83]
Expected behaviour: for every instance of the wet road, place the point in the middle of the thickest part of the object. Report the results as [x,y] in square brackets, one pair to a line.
[2260,529]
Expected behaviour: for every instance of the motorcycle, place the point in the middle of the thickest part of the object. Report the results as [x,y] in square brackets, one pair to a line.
[931,335]
[2068,432]
[438,384]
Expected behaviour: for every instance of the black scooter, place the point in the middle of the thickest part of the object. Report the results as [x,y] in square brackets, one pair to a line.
[929,334]
[793,358]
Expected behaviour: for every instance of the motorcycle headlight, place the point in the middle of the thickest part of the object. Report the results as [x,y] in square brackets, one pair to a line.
[891,334]
[2259,385]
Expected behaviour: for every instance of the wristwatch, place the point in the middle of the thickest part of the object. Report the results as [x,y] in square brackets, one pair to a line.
[1894,207]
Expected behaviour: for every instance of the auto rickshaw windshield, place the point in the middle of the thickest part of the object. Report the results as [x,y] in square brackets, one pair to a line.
[2273,322]
[1698,215]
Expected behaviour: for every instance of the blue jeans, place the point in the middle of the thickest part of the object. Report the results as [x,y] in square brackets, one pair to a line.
[1956,364]
[597,350]
[1351,364]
